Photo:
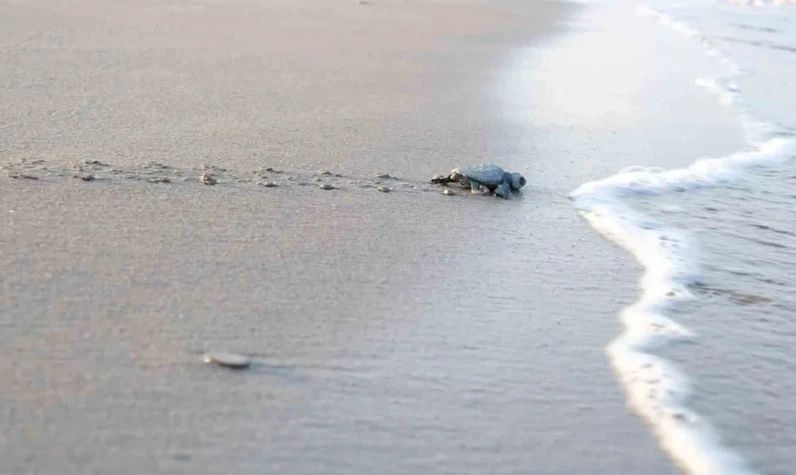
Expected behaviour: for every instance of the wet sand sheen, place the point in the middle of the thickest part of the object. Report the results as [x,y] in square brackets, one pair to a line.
[393,333]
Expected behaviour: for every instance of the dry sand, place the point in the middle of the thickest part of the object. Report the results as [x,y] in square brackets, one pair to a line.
[403,332]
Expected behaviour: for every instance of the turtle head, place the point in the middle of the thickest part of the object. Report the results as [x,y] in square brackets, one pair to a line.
[517,181]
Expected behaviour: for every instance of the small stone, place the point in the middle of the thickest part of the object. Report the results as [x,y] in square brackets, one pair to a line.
[327,186]
[269,169]
[268,184]
[384,189]
[85,176]
[449,192]
[229,360]
[160,179]
[208,179]
[324,172]
[383,175]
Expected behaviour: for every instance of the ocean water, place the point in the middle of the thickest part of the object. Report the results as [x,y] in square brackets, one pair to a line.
[707,353]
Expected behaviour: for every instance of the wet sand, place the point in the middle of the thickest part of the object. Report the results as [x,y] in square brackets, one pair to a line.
[400,332]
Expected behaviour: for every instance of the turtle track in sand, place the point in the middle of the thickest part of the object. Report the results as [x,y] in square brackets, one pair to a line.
[210,175]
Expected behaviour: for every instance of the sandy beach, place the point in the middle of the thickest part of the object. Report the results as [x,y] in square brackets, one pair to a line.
[401,332]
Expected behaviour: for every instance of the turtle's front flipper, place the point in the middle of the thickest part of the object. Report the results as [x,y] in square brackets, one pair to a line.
[475,187]
[504,189]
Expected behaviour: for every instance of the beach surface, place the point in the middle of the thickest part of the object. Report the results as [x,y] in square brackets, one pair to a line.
[400,332]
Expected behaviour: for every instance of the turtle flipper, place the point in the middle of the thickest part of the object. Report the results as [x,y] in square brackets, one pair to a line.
[503,190]
[475,187]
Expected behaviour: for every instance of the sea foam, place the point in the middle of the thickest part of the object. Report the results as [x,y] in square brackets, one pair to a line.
[655,388]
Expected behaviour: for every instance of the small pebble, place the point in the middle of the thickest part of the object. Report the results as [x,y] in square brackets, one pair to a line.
[229,360]
[85,176]
[383,175]
[327,186]
[384,189]
[160,179]
[268,184]
[449,192]
[324,172]
[208,179]
[269,169]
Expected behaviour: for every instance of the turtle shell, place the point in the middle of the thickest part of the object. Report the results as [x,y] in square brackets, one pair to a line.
[486,174]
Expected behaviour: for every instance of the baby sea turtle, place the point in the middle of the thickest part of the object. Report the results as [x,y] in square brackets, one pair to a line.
[490,176]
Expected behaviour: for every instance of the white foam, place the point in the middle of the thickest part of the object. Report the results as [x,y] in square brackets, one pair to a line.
[657,390]
[763,3]
[645,11]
